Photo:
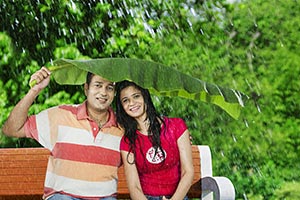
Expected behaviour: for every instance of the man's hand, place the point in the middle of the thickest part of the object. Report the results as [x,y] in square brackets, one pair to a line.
[40,79]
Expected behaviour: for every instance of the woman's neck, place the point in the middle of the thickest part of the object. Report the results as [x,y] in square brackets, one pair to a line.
[143,125]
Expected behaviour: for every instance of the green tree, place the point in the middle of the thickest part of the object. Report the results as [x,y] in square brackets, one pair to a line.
[251,46]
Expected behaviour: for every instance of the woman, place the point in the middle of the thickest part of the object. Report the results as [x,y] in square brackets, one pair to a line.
[156,151]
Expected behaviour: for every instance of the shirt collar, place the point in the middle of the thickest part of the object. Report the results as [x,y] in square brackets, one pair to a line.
[82,114]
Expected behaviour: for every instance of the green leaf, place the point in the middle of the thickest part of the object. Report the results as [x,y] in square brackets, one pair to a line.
[158,78]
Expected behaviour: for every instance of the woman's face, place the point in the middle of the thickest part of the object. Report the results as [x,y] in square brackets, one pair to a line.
[133,102]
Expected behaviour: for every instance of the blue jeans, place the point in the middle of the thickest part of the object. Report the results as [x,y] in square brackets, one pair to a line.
[58,196]
[160,197]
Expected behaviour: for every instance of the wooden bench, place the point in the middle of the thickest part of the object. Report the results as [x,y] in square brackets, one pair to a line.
[22,174]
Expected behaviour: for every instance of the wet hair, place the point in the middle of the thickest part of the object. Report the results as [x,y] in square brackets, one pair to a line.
[130,124]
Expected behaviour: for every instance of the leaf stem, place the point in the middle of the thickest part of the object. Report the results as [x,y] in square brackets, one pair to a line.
[52,69]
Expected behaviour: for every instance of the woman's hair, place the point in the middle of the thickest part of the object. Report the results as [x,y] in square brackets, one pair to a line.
[130,124]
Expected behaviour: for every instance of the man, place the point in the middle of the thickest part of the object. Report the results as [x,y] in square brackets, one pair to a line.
[83,140]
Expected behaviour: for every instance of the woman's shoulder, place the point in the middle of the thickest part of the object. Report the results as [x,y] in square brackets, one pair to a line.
[176,122]
[175,125]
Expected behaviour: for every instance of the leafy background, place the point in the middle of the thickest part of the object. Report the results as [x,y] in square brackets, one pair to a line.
[252,46]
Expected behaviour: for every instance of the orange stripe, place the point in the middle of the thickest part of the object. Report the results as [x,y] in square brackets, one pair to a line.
[83,171]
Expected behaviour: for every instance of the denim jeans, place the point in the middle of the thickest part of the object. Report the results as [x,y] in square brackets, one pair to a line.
[160,197]
[58,196]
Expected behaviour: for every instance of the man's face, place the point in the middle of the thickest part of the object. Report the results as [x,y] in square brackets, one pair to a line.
[100,93]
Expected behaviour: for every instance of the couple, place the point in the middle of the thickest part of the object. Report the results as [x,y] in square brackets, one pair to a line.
[85,142]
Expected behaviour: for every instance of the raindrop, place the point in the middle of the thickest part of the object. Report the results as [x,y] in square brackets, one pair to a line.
[234,138]
[222,153]
[201,31]
[245,196]
[189,22]
[43,43]
[258,108]
[64,31]
[119,13]
[193,12]
[109,14]
[246,123]
[147,14]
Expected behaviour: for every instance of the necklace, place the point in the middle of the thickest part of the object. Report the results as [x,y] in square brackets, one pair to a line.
[100,122]
[144,127]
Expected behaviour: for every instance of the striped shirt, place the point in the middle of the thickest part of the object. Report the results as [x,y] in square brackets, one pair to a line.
[84,159]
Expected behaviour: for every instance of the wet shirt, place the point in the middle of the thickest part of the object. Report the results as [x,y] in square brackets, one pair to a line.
[84,159]
[159,175]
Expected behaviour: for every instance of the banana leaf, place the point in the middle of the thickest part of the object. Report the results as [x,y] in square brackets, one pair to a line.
[158,78]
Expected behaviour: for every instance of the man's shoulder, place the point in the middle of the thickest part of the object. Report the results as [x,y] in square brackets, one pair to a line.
[73,108]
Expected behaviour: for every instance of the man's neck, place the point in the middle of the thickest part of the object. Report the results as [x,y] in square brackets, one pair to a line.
[100,117]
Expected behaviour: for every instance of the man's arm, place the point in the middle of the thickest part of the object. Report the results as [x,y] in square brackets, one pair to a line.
[14,126]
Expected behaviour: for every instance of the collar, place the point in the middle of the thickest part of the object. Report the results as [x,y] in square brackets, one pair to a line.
[82,115]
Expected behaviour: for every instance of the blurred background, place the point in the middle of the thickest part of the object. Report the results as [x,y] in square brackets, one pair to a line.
[252,46]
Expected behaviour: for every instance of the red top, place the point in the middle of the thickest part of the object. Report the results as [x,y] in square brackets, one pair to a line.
[159,178]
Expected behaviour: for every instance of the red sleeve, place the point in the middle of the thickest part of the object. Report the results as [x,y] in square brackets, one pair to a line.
[30,128]
[179,127]
[124,145]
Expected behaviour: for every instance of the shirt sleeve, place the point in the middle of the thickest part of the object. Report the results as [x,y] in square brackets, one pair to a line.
[31,128]
[124,145]
[38,128]
[179,127]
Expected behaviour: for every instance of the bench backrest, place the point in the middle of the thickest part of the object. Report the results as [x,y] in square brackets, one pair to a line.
[22,174]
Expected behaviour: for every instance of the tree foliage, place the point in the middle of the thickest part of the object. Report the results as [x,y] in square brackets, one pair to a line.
[251,46]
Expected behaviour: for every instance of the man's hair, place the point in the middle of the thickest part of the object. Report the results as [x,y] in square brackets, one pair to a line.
[89,77]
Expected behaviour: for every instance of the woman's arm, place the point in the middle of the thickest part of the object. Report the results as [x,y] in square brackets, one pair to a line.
[132,178]
[187,168]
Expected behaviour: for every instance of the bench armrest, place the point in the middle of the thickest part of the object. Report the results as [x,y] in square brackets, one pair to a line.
[221,187]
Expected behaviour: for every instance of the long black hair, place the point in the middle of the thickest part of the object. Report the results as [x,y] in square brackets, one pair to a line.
[130,124]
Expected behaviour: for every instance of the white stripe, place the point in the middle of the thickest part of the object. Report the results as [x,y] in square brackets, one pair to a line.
[83,137]
[43,127]
[80,187]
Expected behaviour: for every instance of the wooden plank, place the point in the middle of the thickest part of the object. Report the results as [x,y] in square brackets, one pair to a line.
[41,170]
[21,197]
